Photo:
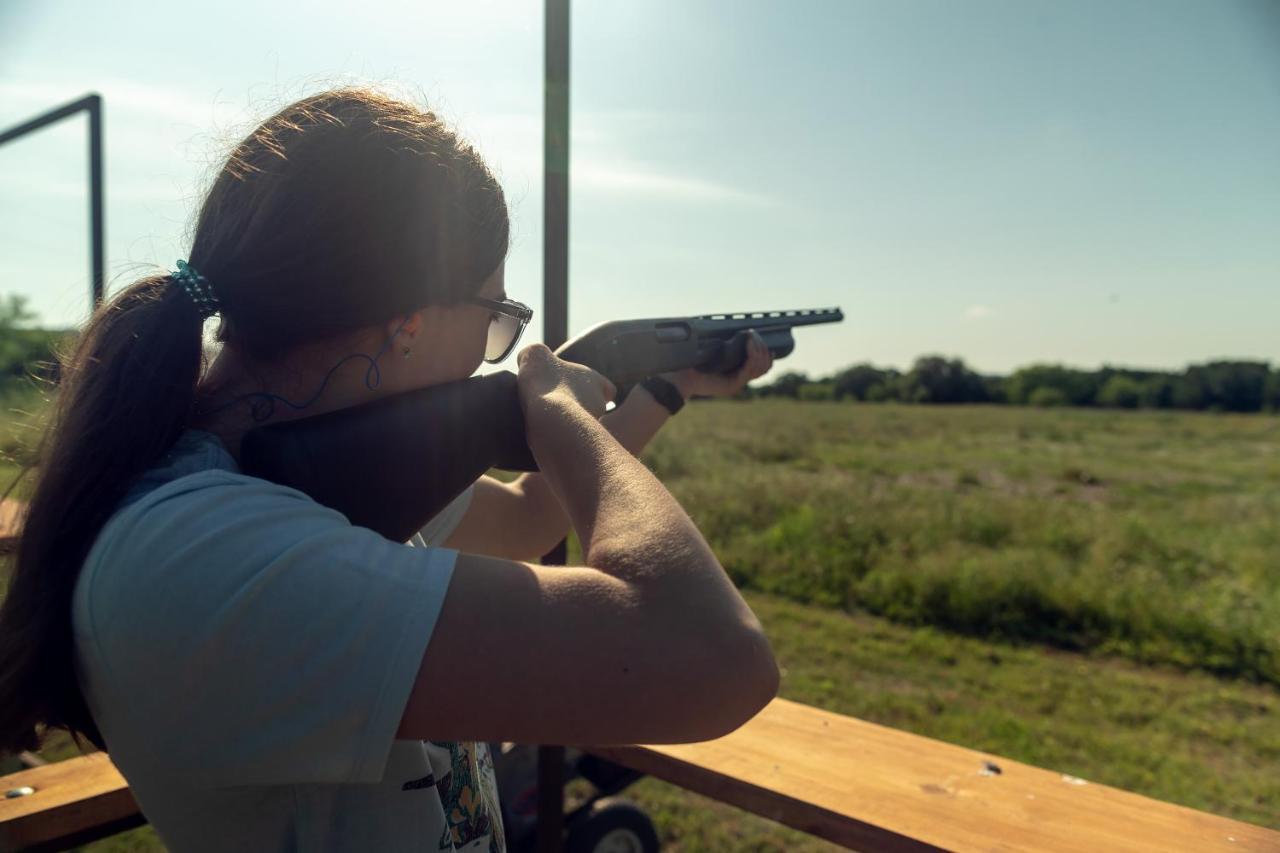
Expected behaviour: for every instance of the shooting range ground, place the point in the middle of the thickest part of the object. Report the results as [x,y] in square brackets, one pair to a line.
[1089,591]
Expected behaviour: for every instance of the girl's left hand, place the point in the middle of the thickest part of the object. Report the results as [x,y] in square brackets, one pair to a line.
[694,382]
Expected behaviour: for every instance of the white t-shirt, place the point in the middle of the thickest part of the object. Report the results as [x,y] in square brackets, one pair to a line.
[247,655]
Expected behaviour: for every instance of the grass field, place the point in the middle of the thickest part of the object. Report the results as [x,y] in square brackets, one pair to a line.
[1088,591]
[1152,536]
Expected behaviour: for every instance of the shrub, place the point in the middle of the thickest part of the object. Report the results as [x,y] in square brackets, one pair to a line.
[934,379]
[816,391]
[786,385]
[1120,392]
[1046,396]
[1271,397]
[855,382]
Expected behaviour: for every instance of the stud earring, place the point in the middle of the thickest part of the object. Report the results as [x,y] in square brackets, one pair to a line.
[405,352]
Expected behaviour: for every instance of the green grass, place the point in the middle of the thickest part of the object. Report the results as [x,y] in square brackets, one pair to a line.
[1184,737]
[22,413]
[1151,536]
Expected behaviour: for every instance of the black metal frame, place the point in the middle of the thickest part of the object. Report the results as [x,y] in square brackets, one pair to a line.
[92,104]
[517,311]
[509,307]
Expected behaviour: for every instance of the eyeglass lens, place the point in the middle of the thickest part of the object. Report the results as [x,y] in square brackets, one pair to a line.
[503,333]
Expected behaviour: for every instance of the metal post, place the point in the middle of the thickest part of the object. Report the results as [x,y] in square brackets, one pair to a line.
[550,799]
[93,105]
[98,260]
[555,330]
[555,204]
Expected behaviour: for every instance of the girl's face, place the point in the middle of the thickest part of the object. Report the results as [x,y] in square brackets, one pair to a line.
[445,343]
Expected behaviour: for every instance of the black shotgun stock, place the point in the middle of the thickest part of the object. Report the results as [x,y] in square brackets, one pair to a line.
[393,464]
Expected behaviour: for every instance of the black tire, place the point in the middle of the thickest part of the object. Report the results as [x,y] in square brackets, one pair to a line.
[619,823]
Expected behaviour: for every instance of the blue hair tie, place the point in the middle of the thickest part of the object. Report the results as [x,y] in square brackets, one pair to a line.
[197,287]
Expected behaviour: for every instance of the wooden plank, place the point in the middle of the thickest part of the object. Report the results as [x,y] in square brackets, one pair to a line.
[874,788]
[864,786]
[74,801]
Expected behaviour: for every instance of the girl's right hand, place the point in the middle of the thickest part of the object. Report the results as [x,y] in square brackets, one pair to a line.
[546,378]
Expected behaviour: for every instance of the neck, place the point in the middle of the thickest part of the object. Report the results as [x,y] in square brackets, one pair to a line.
[234,393]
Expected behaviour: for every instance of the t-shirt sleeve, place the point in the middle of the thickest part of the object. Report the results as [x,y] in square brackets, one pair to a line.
[437,530]
[242,632]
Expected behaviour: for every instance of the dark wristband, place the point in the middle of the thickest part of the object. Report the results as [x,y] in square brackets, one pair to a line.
[664,392]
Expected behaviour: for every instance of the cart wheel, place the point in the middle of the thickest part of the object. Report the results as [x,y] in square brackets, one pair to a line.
[614,825]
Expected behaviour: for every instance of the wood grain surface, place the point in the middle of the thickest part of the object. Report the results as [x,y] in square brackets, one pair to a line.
[74,800]
[874,788]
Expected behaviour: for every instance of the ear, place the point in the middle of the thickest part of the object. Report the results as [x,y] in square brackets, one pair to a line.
[408,324]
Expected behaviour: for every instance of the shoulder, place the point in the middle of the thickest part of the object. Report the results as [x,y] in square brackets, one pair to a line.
[208,513]
[229,607]
[214,498]
[216,535]
[179,529]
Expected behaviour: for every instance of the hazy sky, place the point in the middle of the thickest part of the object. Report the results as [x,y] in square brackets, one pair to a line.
[1010,182]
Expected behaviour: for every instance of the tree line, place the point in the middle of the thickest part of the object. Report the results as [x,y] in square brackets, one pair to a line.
[1229,386]
[25,351]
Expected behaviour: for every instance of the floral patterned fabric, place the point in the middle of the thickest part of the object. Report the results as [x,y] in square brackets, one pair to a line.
[473,819]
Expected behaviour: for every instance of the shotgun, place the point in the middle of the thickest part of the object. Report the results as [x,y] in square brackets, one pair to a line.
[393,464]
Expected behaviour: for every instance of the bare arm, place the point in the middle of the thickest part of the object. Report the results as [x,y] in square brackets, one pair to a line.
[647,642]
[523,519]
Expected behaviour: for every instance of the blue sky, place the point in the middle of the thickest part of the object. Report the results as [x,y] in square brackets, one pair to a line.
[1009,182]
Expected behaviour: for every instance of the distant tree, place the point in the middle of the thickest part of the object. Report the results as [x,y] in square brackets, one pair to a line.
[1240,386]
[1076,387]
[14,313]
[1232,386]
[995,389]
[854,382]
[1156,391]
[1236,386]
[935,379]
[1045,396]
[786,385]
[1273,390]
[1191,390]
[817,391]
[882,392]
[1121,392]
[24,351]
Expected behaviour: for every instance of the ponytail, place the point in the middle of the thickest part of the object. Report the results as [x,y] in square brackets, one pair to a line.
[125,396]
[342,210]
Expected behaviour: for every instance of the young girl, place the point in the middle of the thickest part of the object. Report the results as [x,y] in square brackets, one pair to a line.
[266,675]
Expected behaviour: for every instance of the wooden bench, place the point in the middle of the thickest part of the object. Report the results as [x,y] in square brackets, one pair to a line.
[854,783]
[74,802]
[874,788]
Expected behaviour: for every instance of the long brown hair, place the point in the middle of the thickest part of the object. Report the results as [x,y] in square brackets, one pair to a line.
[342,210]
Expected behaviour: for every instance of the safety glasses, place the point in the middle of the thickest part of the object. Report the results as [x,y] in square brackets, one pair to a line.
[505,326]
